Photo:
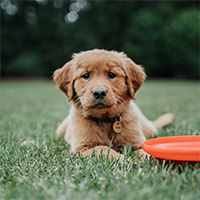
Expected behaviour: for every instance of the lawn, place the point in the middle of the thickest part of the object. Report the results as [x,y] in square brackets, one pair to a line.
[44,168]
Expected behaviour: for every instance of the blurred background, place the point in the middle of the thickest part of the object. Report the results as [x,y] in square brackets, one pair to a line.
[39,36]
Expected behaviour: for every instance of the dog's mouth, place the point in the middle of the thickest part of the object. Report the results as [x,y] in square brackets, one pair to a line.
[100,106]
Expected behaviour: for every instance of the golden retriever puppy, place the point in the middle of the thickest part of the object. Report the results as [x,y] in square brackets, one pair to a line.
[100,85]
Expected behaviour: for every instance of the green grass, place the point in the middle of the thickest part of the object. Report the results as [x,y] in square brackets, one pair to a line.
[32,111]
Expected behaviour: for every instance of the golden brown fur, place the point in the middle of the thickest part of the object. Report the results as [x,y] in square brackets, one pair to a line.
[88,126]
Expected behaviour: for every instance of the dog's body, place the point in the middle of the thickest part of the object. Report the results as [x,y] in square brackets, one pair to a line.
[100,84]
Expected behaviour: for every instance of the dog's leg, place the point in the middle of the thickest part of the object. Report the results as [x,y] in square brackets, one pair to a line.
[62,127]
[164,120]
[104,150]
[149,128]
[142,154]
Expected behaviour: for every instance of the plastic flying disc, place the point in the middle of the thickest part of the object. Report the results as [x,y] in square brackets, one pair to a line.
[180,148]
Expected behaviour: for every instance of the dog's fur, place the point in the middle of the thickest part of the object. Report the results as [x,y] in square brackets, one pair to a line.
[88,127]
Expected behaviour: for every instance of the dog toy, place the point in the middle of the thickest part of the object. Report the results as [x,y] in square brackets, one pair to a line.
[180,148]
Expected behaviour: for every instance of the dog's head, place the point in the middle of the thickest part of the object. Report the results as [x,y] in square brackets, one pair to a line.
[100,82]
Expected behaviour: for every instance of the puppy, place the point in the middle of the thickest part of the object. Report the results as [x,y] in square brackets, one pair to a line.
[100,85]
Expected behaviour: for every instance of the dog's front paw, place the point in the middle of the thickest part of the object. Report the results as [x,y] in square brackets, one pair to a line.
[142,154]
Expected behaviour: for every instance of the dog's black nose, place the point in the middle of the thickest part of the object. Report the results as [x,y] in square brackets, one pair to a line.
[99,93]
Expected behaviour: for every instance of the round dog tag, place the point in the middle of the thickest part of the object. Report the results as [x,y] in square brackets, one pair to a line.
[117,127]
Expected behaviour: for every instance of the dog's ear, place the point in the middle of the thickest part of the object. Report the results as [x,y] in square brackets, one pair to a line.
[64,79]
[135,76]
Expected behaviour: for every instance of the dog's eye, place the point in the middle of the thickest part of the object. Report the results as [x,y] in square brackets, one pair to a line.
[111,75]
[86,76]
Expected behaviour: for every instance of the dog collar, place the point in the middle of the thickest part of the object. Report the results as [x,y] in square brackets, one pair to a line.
[115,121]
[104,119]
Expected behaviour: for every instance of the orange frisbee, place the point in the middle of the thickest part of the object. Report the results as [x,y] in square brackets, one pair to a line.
[180,148]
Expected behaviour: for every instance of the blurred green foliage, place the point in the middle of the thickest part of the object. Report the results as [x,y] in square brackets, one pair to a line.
[40,36]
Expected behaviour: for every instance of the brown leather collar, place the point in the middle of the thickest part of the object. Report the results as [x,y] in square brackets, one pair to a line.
[105,119]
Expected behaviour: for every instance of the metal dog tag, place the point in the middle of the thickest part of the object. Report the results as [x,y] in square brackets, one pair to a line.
[117,126]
